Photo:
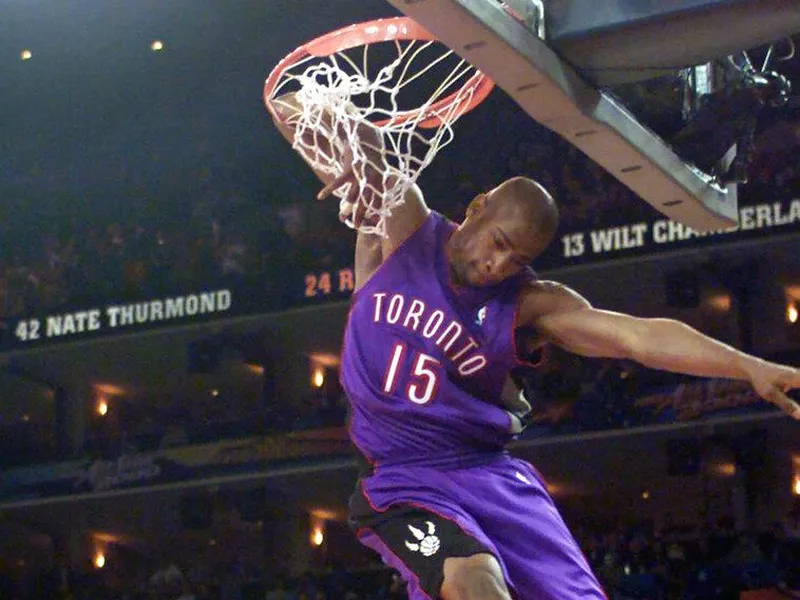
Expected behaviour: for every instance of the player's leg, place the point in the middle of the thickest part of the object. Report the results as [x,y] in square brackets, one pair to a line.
[540,555]
[434,554]
[476,577]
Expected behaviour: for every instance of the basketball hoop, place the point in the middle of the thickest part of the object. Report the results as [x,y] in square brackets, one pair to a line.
[391,75]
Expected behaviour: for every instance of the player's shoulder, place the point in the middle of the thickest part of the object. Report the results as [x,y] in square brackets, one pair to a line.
[542,297]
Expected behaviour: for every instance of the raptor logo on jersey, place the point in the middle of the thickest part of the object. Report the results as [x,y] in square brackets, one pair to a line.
[428,543]
[481,317]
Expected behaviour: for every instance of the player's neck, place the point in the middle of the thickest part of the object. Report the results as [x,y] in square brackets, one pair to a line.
[452,274]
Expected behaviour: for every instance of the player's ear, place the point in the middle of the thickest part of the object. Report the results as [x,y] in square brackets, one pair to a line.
[476,206]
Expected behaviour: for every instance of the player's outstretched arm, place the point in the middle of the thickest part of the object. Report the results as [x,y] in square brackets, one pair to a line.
[569,321]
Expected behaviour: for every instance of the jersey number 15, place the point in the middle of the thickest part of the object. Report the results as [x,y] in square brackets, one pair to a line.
[423,381]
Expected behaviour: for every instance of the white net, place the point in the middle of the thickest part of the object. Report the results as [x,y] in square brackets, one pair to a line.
[383,109]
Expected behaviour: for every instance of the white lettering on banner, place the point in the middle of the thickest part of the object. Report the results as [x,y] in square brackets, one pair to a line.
[573,245]
[107,474]
[116,316]
[618,238]
[695,399]
[79,322]
[664,231]
[171,308]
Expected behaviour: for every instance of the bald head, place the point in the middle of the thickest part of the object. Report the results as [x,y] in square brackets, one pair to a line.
[504,230]
[528,201]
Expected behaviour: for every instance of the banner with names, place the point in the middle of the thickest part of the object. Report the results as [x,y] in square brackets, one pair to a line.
[171,465]
[645,237]
[596,244]
[115,318]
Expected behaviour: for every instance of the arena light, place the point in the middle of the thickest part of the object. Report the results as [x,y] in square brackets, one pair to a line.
[725,469]
[318,536]
[25,55]
[99,560]
[720,302]
[324,514]
[102,408]
[792,293]
[157,46]
[318,377]
[316,528]
[325,359]
[108,389]
[796,486]
[253,368]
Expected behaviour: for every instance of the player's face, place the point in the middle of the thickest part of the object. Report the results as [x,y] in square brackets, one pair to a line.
[496,242]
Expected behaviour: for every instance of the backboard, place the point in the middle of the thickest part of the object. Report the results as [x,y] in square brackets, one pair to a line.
[530,68]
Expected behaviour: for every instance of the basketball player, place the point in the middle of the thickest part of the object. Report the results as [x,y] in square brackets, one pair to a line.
[428,346]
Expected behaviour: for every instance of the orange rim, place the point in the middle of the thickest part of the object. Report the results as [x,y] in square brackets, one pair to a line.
[370,32]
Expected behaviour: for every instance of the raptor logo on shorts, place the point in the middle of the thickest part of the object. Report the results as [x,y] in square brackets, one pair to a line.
[428,543]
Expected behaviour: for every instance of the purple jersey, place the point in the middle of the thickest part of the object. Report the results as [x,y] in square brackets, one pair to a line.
[424,363]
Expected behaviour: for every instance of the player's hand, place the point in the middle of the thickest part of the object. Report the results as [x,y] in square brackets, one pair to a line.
[772,382]
[353,205]
[351,210]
